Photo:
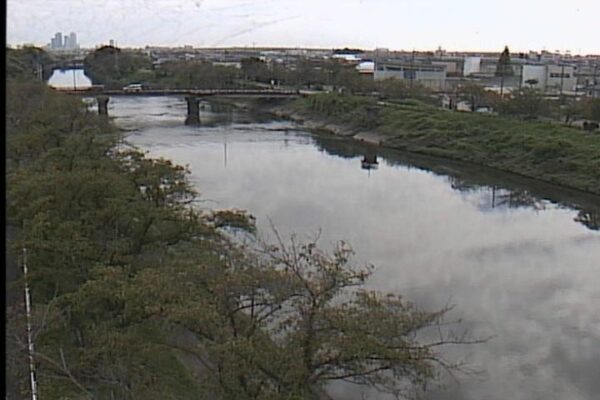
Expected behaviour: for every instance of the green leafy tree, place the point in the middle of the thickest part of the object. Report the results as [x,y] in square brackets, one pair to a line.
[113,67]
[31,63]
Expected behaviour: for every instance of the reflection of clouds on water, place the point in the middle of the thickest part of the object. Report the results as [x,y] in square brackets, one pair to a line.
[69,78]
[527,275]
[511,249]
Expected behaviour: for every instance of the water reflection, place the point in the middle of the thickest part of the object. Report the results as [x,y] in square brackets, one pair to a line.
[69,78]
[465,178]
[369,161]
[590,218]
[507,252]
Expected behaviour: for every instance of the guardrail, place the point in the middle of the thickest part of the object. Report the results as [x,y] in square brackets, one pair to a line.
[191,92]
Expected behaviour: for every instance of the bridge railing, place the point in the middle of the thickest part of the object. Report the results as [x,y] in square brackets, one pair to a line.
[99,89]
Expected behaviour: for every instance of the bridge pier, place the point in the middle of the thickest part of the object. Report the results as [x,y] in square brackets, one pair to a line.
[193,110]
[102,104]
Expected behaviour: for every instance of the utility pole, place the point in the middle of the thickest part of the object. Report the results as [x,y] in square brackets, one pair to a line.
[594,80]
[29,338]
[74,77]
[413,74]
[521,77]
[562,78]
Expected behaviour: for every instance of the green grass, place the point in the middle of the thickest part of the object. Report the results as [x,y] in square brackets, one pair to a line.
[542,150]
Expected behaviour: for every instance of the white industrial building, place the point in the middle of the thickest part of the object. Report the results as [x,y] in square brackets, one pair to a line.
[431,76]
[549,78]
[471,66]
[366,67]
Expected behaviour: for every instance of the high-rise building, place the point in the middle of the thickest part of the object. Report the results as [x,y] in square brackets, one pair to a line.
[58,41]
[73,41]
[66,42]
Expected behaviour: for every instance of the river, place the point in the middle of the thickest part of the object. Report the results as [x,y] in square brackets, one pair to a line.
[69,78]
[519,260]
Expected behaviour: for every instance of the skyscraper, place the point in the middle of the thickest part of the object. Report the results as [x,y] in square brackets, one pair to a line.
[58,40]
[73,41]
[66,42]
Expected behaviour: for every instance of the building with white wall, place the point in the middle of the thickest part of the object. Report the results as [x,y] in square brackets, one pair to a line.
[533,73]
[431,76]
[366,67]
[549,77]
[471,66]
[560,78]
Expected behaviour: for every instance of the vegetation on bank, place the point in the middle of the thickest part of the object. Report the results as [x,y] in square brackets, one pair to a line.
[136,294]
[114,68]
[542,150]
[29,63]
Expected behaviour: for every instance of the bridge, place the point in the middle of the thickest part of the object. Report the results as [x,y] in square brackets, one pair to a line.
[100,91]
[192,96]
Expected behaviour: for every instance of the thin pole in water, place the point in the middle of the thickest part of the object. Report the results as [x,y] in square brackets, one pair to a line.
[74,78]
[29,339]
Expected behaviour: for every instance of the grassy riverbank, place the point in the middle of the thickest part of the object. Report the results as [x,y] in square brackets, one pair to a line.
[542,150]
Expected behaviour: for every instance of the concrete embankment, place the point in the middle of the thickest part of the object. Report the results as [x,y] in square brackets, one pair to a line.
[321,125]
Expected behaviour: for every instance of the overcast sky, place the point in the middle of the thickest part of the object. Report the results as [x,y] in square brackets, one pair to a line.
[395,24]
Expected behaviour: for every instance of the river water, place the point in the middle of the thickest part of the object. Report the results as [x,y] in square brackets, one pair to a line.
[519,260]
[69,78]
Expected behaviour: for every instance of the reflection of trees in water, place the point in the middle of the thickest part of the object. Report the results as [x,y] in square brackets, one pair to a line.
[335,146]
[215,112]
[497,196]
[500,197]
[461,185]
[517,198]
[589,218]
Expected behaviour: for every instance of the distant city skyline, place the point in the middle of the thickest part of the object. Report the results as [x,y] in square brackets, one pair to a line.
[467,25]
[60,42]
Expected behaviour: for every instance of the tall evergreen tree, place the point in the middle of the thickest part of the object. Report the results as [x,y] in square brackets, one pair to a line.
[504,67]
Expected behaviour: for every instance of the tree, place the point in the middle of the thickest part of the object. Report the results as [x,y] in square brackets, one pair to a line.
[532,82]
[475,94]
[287,320]
[591,109]
[254,69]
[114,67]
[504,67]
[29,63]
[526,102]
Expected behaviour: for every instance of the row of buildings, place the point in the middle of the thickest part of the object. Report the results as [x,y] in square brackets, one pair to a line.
[552,75]
[66,42]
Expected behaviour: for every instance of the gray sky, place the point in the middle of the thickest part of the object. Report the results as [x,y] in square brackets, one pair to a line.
[396,24]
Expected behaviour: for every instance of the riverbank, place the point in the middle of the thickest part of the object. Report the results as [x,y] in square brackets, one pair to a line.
[559,155]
